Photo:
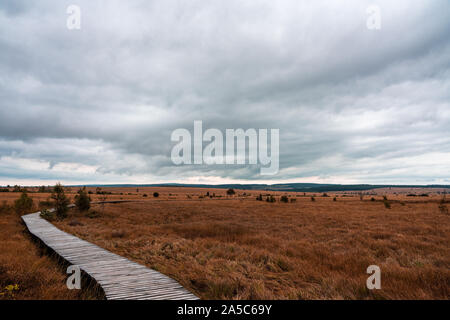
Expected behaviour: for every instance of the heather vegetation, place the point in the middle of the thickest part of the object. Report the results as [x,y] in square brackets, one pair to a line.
[239,248]
[233,247]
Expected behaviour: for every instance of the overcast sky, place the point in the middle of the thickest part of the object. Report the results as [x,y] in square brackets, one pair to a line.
[99,104]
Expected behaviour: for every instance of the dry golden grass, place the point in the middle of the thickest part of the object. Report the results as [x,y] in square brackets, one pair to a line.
[240,248]
[25,264]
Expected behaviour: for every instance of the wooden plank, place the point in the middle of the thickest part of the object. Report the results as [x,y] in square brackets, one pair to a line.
[120,278]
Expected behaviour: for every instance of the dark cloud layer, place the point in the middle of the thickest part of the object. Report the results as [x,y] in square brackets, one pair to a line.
[99,104]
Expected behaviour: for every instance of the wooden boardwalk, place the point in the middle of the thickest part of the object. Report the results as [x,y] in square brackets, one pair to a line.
[120,278]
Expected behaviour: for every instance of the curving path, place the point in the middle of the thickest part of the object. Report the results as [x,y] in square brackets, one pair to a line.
[120,278]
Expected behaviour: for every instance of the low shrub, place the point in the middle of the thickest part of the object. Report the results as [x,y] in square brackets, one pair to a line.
[231,192]
[82,200]
[92,214]
[44,189]
[19,189]
[75,223]
[5,207]
[24,204]
[61,201]
[47,215]
[118,234]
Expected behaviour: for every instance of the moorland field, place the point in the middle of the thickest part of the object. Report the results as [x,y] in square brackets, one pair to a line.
[220,246]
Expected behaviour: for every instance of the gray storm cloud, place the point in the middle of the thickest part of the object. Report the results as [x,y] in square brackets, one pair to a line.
[99,104]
